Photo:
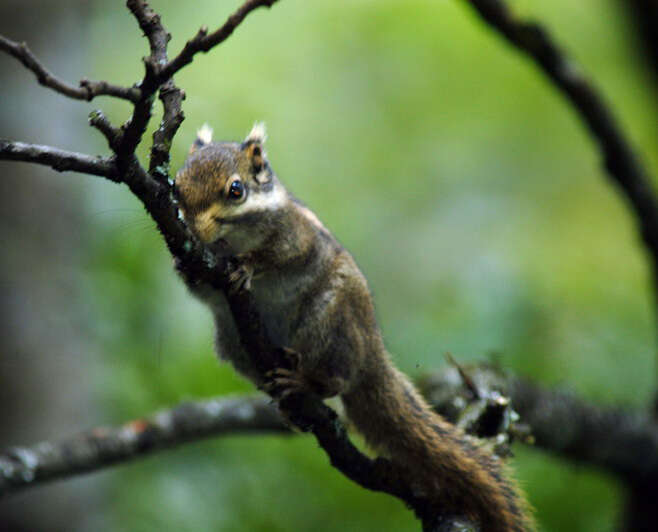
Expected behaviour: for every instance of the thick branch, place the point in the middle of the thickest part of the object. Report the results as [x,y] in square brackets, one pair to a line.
[88,90]
[60,160]
[621,163]
[23,467]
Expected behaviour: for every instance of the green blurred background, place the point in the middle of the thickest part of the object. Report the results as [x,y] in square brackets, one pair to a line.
[464,185]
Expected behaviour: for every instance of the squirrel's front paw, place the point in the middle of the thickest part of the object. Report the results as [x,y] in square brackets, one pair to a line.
[239,277]
[283,381]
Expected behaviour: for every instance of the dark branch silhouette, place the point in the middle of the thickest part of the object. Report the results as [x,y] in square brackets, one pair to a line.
[645,15]
[632,179]
[621,163]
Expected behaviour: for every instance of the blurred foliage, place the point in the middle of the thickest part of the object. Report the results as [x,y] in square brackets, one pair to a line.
[466,188]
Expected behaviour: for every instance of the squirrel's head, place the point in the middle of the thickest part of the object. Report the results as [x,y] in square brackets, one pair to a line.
[227,192]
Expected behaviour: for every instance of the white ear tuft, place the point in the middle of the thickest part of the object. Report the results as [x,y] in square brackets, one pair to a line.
[204,135]
[257,133]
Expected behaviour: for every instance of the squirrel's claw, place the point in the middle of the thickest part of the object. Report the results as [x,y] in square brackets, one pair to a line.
[281,383]
[240,278]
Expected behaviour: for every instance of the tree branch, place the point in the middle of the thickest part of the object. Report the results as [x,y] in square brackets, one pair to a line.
[170,95]
[60,160]
[620,441]
[24,467]
[623,167]
[28,466]
[623,442]
[172,98]
[88,89]
[98,120]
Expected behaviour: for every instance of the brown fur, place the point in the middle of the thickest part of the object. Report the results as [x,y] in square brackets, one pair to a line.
[313,299]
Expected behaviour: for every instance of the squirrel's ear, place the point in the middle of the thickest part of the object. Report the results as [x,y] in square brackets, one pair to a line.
[253,147]
[203,138]
[257,134]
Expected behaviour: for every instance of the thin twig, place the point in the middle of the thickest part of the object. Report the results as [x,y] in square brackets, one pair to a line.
[98,120]
[204,42]
[88,90]
[60,160]
[103,88]
[466,379]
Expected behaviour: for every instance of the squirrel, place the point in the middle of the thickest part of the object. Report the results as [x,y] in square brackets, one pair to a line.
[314,301]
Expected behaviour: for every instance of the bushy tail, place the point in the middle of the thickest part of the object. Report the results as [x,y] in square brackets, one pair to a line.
[456,474]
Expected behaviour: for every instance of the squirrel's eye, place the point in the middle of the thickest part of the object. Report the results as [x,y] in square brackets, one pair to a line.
[236,190]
